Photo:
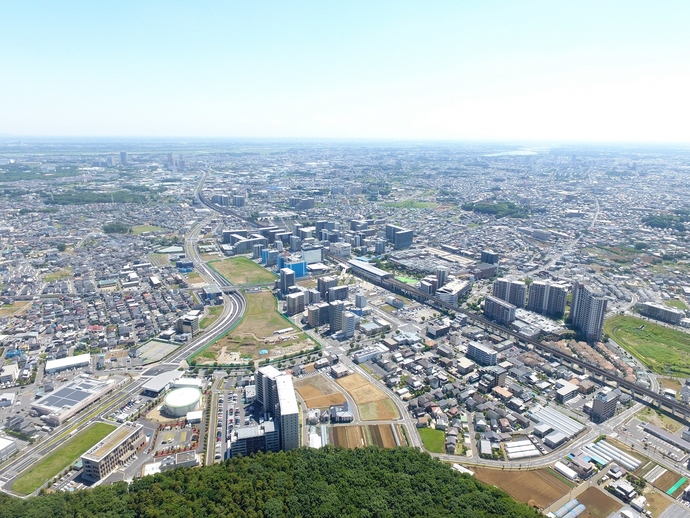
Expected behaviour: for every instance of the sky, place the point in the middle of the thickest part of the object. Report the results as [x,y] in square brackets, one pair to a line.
[543,71]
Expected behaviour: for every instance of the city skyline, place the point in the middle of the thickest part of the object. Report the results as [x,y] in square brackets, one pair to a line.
[604,72]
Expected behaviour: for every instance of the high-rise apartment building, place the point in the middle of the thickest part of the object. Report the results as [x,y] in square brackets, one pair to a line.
[547,299]
[324,284]
[295,303]
[587,311]
[499,310]
[335,315]
[276,393]
[489,257]
[287,279]
[514,292]
[123,157]
[349,322]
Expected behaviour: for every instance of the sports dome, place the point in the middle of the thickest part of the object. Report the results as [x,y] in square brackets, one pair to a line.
[180,401]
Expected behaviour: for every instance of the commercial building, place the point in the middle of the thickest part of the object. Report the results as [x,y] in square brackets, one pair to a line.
[514,292]
[547,299]
[56,407]
[500,311]
[69,362]
[7,448]
[113,451]
[254,439]
[454,291]
[604,405]
[587,311]
[400,237]
[9,373]
[160,383]
[481,354]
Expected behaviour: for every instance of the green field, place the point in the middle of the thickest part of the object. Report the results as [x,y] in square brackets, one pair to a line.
[58,275]
[434,440]
[411,204]
[213,314]
[140,229]
[660,348]
[61,458]
[675,303]
[408,280]
[242,271]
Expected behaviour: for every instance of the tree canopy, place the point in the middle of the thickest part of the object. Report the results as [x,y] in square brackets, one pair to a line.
[328,482]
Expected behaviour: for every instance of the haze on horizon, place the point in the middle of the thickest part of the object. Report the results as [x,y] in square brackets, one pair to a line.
[611,71]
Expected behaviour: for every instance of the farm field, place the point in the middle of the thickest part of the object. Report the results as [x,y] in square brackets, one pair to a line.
[537,488]
[254,334]
[57,461]
[667,481]
[598,503]
[433,440]
[372,403]
[11,309]
[240,270]
[318,392]
[662,349]
[360,436]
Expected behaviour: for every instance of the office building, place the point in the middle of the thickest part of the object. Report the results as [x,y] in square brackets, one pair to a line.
[295,303]
[123,157]
[349,322]
[324,284]
[400,237]
[498,310]
[335,315]
[441,276]
[481,354]
[489,257]
[338,293]
[295,244]
[514,292]
[188,324]
[287,279]
[604,405]
[587,311]
[547,299]
[113,451]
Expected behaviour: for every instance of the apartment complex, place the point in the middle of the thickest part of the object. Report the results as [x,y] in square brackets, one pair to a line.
[587,311]
[547,299]
[276,393]
[500,311]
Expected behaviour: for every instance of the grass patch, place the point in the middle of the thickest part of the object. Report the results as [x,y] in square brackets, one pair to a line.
[57,461]
[658,419]
[140,229]
[213,313]
[240,270]
[408,280]
[433,440]
[10,309]
[662,349]
[194,278]
[58,275]
[676,303]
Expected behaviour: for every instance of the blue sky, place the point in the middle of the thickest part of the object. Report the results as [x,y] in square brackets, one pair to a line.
[460,70]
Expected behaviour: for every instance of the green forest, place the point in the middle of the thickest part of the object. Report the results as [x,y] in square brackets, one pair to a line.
[327,483]
[500,209]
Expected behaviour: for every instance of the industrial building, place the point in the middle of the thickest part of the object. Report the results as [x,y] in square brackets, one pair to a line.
[69,362]
[180,402]
[113,451]
[56,407]
[7,448]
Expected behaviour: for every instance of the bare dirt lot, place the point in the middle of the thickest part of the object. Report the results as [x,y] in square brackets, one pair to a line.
[598,503]
[667,480]
[318,392]
[537,488]
[373,404]
[382,435]
[355,436]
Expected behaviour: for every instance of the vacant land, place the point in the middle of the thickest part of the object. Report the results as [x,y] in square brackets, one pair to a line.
[360,436]
[318,392]
[58,275]
[195,278]
[434,440]
[676,303]
[412,204]
[10,309]
[598,503]
[254,334]
[537,488]
[240,271]
[649,415]
[372,403]
[657,502]
[140,229]
[57,461]
[664,350]
[159,259]
[213,313]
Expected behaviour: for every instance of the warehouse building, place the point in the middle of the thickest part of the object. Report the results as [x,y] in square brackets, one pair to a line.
[113,451]
[69,362]
[7,448]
